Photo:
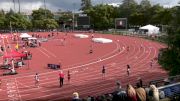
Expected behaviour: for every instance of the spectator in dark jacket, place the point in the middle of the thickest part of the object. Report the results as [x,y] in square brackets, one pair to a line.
[119,95]
[76,97]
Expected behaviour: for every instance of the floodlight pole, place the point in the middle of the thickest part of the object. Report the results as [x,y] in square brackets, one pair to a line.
[19,6]
[10,27]
[73,15]
[12,61]
[127,16]
[14,5]
[115,25]
[45,7]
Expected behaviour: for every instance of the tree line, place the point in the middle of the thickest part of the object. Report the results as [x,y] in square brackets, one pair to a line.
[102,16]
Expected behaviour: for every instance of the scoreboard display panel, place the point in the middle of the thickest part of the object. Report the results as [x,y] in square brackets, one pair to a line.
[121,23]
[83,20]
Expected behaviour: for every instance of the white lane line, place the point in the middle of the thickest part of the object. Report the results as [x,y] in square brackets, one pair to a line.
[44,53]
[49,52]
[104,56]
[87,64]
[18,90]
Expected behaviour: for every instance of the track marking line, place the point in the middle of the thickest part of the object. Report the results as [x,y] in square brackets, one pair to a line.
[44,53]
[49,52]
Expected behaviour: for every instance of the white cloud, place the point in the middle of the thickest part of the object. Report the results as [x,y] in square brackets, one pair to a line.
[6,6]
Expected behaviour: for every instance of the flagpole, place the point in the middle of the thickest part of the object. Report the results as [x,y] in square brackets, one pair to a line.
[11,51]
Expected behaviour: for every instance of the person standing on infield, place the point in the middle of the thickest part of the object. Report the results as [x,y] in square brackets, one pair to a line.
[69,76]
[151,63]
[36,77]
[127,48]
[103,71]
[0,84]
[128,70]
[61,78]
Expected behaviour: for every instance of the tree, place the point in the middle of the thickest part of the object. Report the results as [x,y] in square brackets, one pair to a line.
[127,9]
[42,14]
[145,4]
[102,16]
[43,19]
[2,19]
[17,21]
[128,3]
[85,4]
[50,24]
[65,18]
[170,58]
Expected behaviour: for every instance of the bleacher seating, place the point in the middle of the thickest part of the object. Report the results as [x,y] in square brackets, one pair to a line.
[171,90]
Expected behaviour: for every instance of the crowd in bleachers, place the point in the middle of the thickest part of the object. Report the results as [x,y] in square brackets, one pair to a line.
[170,91]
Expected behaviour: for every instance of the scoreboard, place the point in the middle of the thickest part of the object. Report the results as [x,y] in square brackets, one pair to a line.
[121,23]
[83,21]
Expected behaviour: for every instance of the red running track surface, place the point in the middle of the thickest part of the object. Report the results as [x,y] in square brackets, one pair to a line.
[85,68]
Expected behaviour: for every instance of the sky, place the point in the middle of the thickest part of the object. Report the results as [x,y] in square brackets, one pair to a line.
[29,5]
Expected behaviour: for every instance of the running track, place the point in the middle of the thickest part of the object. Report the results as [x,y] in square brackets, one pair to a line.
[85,69]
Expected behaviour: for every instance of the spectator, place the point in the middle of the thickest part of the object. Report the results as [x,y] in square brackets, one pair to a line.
[109,97]
[76,97]
[119,94]
[118,84]
[131,93]
[141,93]
[140,82]
[92,99]
[166,81]
[89,98]
[153,93]
[161,94]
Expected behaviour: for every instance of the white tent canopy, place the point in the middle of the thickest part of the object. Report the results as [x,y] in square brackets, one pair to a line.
[32,38]
[25,35]
[150,29]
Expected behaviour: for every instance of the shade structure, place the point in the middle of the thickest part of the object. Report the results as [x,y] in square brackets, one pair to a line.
[32,38]
[13,54]
[150,29]
[25,35]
